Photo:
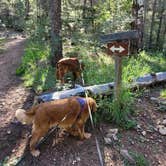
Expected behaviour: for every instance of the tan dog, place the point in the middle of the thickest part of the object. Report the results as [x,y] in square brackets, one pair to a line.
[67,65]
[48,114]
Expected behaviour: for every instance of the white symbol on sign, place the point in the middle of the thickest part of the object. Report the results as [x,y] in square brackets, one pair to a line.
[120,49]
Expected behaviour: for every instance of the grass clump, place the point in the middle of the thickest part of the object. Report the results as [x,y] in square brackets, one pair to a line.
[139,159]
[144,63]
[163,94]
[35,69]
[2,42]
[98,70]
[118,112]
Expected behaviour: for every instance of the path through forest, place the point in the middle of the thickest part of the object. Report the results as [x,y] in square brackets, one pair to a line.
[13,95]
[144,140]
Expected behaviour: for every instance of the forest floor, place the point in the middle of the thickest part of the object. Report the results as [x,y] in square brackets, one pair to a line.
[144,140]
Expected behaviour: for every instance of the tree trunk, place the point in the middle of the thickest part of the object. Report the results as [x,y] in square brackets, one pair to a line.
[160,23]
[144,41]
[27,9]
[56,24]
[163,45]
[152,23]
[84,8]
[137,24]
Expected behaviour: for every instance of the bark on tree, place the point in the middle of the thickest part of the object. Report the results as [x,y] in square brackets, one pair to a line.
[137,24]
[152,23]
[160,23]
[27,9]
[56,25]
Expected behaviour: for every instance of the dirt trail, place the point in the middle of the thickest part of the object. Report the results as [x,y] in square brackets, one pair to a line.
[12,92]
[13,95]
[9,61]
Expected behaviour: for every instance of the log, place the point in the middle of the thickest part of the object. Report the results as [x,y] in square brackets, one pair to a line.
[103,89]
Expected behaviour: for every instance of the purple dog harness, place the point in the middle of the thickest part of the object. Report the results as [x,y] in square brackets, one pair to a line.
[82,103]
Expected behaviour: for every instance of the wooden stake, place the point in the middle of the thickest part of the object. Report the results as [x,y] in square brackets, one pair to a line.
[118,76]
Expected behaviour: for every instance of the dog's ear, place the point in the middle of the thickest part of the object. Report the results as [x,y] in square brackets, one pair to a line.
[93,105]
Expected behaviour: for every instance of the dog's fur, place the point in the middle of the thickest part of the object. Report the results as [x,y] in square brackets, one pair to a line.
[48,114]
[67,65]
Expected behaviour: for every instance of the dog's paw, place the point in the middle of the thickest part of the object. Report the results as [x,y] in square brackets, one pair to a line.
[35,153]
[54,142]
[87,135]
[57,141]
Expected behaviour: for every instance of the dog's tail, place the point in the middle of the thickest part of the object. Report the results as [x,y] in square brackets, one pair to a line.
[26,117]
[92,104]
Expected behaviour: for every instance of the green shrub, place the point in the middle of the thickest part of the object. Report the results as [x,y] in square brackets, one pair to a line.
[104,109]
[144,63]
[35,68]
[117,112]
[122,108]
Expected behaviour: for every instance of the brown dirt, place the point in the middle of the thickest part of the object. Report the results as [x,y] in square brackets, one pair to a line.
[13,95]
[14,136]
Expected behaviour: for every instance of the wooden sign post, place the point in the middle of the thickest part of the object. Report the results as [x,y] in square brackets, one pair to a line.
[118,77]
[118,46]
[118,49]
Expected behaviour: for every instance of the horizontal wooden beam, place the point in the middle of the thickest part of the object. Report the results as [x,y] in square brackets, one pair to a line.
[128,35]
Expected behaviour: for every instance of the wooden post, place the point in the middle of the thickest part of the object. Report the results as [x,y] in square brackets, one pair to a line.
[118,76]
[118,45]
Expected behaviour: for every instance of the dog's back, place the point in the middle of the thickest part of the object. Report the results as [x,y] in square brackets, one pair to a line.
[67,65]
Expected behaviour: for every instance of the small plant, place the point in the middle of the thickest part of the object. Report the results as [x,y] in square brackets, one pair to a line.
[104,109]
[130,124]
[139,160]
[122,108]
[118,112]
[2,42]
[163,94]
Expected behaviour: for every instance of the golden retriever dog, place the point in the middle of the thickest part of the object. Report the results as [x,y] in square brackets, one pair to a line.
[67,65]
[69,114]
